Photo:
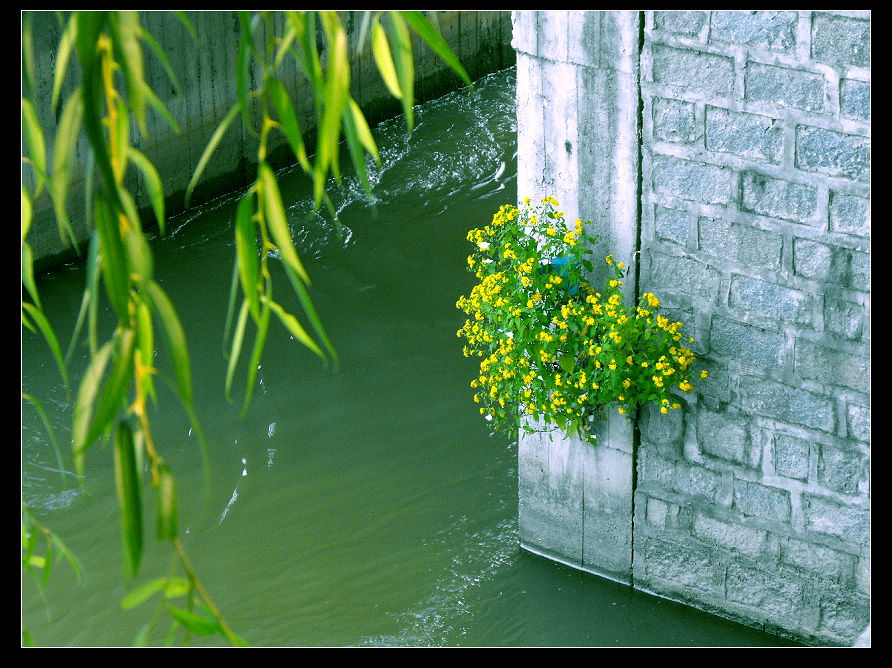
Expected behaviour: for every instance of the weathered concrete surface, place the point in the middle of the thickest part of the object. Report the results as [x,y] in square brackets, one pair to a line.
[206,72]
[577,124]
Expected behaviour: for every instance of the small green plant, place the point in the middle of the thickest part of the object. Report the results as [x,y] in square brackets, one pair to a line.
[554,351]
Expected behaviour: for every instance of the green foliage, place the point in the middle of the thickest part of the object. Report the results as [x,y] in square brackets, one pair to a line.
[554,350]
[110,97]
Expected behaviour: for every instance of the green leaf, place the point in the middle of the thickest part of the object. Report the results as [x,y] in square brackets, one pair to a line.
[166,506]
[115,272]
[33,134]
[384,60]
[176,340]
[143,592]
[127,484]
[63,55]
[63,150]
[435,41]
[404,64]
[152,182]
[335,94]
[50,432]
[275,218]
[288,120]
[114,394]
[243,69]
[196,623]
[254,363]
[86,395]
[246,253]
[210,148]
[48,334]
[127,30]
[236,350]
[294,327]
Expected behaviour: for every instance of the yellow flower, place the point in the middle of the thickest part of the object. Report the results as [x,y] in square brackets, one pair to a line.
[704,374]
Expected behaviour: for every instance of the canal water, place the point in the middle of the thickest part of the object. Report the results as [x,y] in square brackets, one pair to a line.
[363,506]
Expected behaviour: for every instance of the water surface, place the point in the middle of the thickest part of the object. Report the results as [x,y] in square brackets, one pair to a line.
[368,506]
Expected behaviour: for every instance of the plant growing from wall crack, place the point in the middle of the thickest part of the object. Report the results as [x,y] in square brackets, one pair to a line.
[554,351]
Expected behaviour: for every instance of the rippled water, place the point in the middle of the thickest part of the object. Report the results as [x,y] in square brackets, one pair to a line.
[365,507]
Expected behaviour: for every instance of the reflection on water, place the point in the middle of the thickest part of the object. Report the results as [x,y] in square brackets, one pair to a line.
[365,506]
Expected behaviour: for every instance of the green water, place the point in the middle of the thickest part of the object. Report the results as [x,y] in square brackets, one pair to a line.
[370,506]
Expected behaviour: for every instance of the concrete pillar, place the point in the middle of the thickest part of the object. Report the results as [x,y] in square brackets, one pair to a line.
[577,102]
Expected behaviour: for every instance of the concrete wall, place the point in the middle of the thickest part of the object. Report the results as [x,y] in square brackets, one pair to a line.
[206,72]
[753,222]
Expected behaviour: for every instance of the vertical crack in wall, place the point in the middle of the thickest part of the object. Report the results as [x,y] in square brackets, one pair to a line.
[636,428]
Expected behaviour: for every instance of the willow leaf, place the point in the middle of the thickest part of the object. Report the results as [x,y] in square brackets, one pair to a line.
[63,55]
[143,593]
[113,397]
[276,220]
[83,407]
[293,326]
[435,41]
[166,506]
[195,623]
[243,70]
[46,329]
[127,31]
[210,148]
[257,351]
[34,141]
[404,64]
[63,150]
[336,92]
[288,121]
[149,39]
[152,182]
[28,274]
[384,60]
[176,340]
[127,484]
[159,107]
[310,311]
[246,253]
[236,350]
[50,432]
[115,272]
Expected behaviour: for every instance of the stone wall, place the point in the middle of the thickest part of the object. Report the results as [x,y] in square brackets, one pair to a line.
[753,501]
[205,69]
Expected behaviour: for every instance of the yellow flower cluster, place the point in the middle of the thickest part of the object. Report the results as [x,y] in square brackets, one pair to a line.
[551,346]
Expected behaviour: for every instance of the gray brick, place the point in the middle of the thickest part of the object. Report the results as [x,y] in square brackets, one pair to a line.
[675,121]
[844,318]
[671,224]
[832,366]
[750,136]
[771,299]
[839,469]
[740,244]
[787,404]
[849,214]
[745,343]
[772,30]
[691,180]
[859,270]
[832,153]
[782,600]
[821,262]
[726,436]
[665,431]
[854,99]
[683,565]
[791,456]
[831,518]
[822,561]
[756,500]
[784,87]
[694,70]
[858,421]
[840,40]
[736,537]
[778,198]
[684,275]
[843,614]
[686,23]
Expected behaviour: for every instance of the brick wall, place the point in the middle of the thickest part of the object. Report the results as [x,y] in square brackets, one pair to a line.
[754,501]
